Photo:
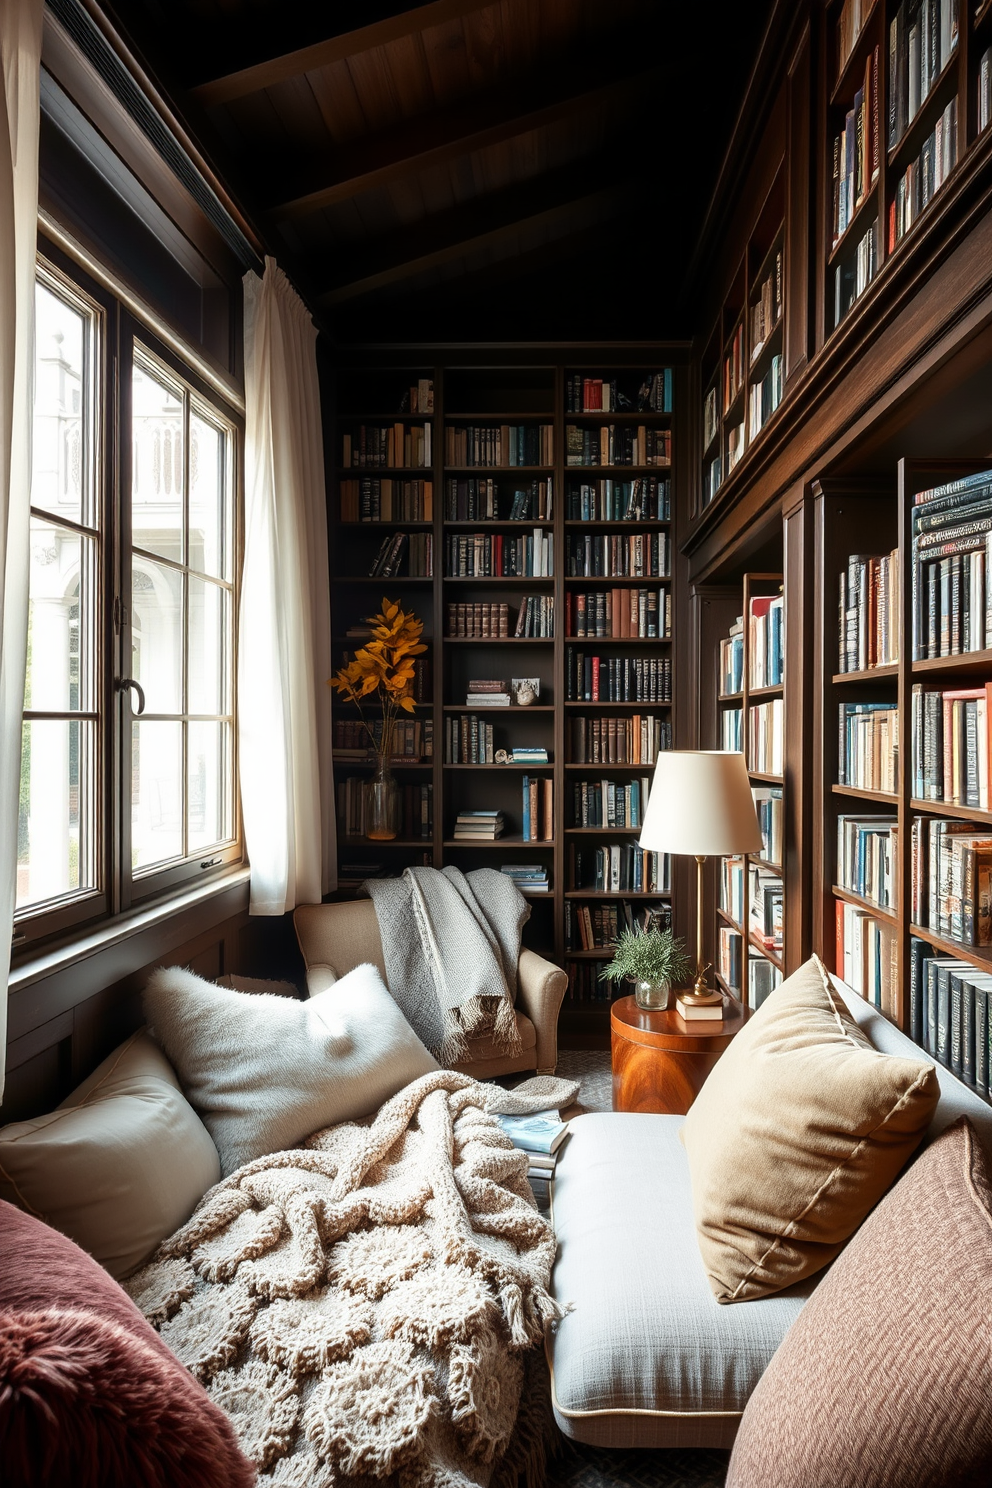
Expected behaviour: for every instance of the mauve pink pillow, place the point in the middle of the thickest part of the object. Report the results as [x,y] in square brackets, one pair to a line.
[90,1396]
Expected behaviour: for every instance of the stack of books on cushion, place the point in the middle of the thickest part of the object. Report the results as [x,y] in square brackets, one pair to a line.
[540,1136]
[487,692]
[530,878]
[481,825]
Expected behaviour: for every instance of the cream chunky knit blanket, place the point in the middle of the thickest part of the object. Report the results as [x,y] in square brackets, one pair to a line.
[367,1306]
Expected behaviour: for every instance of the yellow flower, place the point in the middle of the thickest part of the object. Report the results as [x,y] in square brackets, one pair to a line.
[385,664]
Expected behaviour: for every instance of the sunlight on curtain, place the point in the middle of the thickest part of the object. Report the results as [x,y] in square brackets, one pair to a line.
[284,656]
[20,57]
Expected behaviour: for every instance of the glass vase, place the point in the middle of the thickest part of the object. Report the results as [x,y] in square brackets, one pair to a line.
[382,803]
[652,997]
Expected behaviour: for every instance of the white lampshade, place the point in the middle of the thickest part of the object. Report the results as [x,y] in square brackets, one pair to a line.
[701,805]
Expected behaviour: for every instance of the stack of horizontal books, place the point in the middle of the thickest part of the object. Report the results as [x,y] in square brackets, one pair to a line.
[487,692]
[530,878]
[540,1136]
[484,826]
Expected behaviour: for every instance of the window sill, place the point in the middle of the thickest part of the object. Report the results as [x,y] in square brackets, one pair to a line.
[122,928]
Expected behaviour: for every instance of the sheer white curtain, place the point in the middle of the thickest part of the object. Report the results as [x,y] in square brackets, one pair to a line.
[284,637]
[20,59]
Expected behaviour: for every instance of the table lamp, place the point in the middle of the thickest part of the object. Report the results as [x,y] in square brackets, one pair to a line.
[701,805]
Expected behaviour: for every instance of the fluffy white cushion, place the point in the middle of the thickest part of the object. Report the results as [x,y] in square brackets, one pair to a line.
[120,1165]
[264,1072]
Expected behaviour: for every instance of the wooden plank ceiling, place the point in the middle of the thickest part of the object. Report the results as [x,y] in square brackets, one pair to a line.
[464,169]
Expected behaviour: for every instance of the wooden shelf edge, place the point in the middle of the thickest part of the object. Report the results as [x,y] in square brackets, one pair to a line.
[878,910]
[857,793]
[948,808]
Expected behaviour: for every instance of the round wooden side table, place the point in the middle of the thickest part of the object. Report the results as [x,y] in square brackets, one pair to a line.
[660,1061]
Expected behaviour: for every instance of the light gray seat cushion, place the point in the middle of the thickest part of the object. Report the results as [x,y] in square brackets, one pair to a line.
[647,1357]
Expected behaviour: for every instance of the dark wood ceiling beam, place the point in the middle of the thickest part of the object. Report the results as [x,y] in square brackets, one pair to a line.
[579,213]
[424,144]
[335,49]
[390,253]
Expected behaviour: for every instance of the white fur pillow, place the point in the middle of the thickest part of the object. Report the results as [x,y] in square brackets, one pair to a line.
[264,1072]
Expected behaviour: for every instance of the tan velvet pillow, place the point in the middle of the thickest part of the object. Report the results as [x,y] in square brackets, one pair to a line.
[119,1165]
[883,1379]
[797,1133]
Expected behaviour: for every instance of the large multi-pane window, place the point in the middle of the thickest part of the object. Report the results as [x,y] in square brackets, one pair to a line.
[128,775]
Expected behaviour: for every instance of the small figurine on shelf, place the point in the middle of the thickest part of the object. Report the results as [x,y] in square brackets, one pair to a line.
[653,960]
[526,690]
[385,667]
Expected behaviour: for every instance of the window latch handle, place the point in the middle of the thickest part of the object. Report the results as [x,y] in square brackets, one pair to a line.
[210,863]
[124,684]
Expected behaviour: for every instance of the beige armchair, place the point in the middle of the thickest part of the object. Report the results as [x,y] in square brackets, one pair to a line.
[342,936]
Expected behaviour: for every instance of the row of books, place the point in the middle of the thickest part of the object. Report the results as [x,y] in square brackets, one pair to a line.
[869,612]
[766,737]
[762,976]
[868,746]
[634,740]
[732,659]
[712,479]
[482,500]
[769,807]
[478,621]
[392,446]
[856,151]
[619,614]
[951,745]
[412,739]
[853,14]
[378,499]
[923,34]
[530,878]
[419,397]
[646,499]
[415,549]
[617,679]
[733,369]
[766,899]
[597,926]
[766,641]
[610,803]
[617,444]
[503,445]
[536,616]
[765,396]
[621,867]
[735,445]
[853,275]
[924,176]
[498,555]
[951,879]
[951,551]
[416,808]
[732,730]
[468,740]
[731,888]
[766,312]
[950,1014]
[617,555]
[866,857]
[595,394]
[585,983]
[538,808]
[867,955]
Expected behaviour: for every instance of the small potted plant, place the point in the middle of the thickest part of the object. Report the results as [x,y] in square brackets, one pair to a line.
[654,960]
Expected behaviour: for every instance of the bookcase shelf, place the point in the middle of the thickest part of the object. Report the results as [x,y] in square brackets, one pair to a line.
[885,798]
[530,392]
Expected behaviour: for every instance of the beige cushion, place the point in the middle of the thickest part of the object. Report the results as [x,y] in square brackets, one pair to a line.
[883,1379]
[796,1134]
[265,1072]
[120,1165]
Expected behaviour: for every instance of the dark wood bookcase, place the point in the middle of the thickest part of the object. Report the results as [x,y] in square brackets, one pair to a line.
[589,501]
[880,511]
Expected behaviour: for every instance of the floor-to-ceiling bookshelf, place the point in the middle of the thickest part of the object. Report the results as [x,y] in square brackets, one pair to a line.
[750,930]
[570,464]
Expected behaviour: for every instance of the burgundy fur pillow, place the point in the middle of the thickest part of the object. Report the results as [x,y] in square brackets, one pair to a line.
[883,1379]
[89,1393]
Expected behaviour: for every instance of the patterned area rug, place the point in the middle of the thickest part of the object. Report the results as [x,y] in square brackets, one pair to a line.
[579,1466]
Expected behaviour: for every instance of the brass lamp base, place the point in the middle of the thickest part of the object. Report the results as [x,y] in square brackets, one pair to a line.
[702,995]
